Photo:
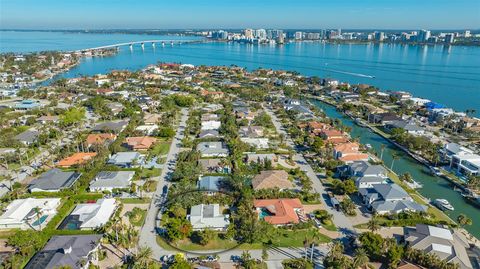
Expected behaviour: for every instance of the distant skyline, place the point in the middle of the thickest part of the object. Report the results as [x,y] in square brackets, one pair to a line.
[216,14]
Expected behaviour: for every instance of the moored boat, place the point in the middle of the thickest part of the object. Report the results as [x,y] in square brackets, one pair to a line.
[443,204]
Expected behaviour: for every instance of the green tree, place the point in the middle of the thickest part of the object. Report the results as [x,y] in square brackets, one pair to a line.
[463,220]
[205,236]
[372,243]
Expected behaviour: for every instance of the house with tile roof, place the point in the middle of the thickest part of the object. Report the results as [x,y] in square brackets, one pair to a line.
[272,179]
[100,139]
[280,211]
[349,152]
[140,142]
[76,159]
[333,136]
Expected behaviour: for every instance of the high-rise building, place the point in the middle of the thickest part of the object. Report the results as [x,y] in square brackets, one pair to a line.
[220,34]
[298,35]
[261,34]
[379,36]
[423,36]
[248,33]
[467,34]
[449,38]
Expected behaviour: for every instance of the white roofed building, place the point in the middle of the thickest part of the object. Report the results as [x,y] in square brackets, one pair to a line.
[22,213]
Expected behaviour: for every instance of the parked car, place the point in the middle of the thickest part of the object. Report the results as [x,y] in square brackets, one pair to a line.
[235,258]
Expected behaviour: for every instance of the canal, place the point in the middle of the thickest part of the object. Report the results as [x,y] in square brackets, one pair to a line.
[433,187]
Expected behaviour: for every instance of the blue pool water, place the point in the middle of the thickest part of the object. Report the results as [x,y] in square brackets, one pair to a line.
[40,220]
[264,213]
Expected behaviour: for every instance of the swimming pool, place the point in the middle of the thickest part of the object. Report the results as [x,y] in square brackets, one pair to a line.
[264,213]
[40,220]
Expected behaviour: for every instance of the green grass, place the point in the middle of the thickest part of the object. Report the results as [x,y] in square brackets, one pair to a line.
[148,173]
[284,238]
[160,148]
[150,186]
[138,218]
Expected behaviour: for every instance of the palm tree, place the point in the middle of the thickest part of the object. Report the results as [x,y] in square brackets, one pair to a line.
[38,214]
[395,156]
[143,257]
[360,258]
[373,224]
[382,148]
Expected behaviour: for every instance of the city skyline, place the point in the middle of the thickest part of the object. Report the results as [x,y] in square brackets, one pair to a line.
[114,14]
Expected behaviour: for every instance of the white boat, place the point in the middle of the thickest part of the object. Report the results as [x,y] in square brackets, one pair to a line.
[368,146]
[443,204]
[435,171]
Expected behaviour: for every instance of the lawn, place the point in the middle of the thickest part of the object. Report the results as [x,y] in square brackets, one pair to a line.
[285,238]
[161,148]
[150,186]
[137,216]
[148,173]
[135,200]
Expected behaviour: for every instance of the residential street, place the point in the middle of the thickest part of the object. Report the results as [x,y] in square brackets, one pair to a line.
[147,233]
[344,226]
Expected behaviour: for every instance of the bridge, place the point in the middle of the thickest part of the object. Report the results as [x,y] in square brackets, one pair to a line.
[163,42]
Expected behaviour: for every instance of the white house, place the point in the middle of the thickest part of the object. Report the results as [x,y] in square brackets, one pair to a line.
[204,216]
[210,125]
[21,213]
[466,163]
[91,216]
[259,143]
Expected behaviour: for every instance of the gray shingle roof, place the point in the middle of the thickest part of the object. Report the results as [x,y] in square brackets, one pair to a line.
[64,251]
[54,179]
[391,191]
[210,183]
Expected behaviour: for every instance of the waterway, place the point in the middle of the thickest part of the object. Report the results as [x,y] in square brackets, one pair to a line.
[433,187]
[445,74]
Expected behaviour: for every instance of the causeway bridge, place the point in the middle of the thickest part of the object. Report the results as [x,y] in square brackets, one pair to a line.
[161,42]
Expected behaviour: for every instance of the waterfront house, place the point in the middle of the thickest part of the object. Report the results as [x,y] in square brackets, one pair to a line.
[126,159]
[272,179]
[103,139]
[90,216]
[28,137]
[401,95]
[110,180]
[280,212]
[212,149]
[54,180]
[466,163]
[409,126]
[116,126]
[389,199]
[447,244]
[451,149]
[369,181]
[383,118]
[349,152]
[365,169]
[21,213]
[72,251]
[78,158]
[333,136]
[140,143]
[315,127]
[205,216]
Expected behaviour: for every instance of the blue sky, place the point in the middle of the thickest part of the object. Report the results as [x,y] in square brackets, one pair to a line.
[170,14]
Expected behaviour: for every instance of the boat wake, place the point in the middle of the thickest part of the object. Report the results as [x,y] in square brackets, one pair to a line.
[350,73]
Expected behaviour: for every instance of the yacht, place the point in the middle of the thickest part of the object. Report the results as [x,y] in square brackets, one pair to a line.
[368,146]
[443,204]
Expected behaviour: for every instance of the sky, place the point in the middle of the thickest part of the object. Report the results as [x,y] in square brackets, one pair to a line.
[235,14]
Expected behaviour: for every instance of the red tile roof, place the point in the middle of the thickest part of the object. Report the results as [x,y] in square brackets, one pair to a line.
[282,210]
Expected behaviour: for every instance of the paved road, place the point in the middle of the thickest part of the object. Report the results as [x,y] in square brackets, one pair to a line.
[339,219]
[147,233]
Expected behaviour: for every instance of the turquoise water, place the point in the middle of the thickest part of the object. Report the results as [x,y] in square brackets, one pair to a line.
[40,220]
[263,213]
[449,75]
[433,187]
